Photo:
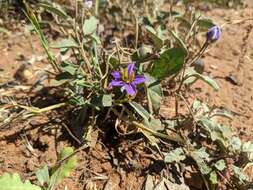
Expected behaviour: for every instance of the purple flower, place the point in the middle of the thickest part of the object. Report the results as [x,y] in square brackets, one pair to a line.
[213,34]
[127,80]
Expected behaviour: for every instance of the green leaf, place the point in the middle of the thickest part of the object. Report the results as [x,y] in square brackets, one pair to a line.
[154,93]
[35,23]
[247,148]
[43,175]
[176,155]
[196,106]
[170,62]
[13,182]
[191,76]
[61,79]
[239,174]
[158,41]
[65,168]
[220,165]
[201,156]
[205,23]
[140,110]
[54,8]
[236,144]
[77,100]
[65,43]
[101,101]
[69,68]
[217,132]
[96,38]
[154,124]
[90,25]
[213,177]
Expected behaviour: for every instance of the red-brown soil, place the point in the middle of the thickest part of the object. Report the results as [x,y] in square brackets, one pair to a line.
[126,165]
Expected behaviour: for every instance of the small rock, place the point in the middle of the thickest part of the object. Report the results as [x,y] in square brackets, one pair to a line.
[199,66]
[232,79]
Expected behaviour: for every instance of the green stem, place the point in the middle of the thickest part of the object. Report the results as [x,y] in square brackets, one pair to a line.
[96,7]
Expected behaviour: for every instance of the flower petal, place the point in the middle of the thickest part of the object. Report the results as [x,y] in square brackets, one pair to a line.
[130,89]
[116,75]
[116,83]
[213,33]
[130,69]
[138,79]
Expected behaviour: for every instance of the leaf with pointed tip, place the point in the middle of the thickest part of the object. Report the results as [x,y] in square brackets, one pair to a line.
[140,110]
[64,170]
[54,8]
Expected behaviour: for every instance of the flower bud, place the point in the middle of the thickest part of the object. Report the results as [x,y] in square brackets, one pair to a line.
[213,34]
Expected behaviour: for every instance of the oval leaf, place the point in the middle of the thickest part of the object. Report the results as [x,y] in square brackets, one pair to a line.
[90,25]
[169,63]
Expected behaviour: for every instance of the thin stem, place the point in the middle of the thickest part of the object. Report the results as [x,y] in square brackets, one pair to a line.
[96,7]
[85,58]
[136,31]
[199,54]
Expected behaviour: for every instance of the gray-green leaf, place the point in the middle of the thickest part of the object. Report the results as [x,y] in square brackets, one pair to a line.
[90,25]
[176,155]
[140,110]
[220,165]
[154,93]
[43,175]
[65,43]
[54,8]
[191,76]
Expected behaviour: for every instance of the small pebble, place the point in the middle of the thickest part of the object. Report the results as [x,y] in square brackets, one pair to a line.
[232,79]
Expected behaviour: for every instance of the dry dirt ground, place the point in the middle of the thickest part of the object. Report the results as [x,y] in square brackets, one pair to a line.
[230,62]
